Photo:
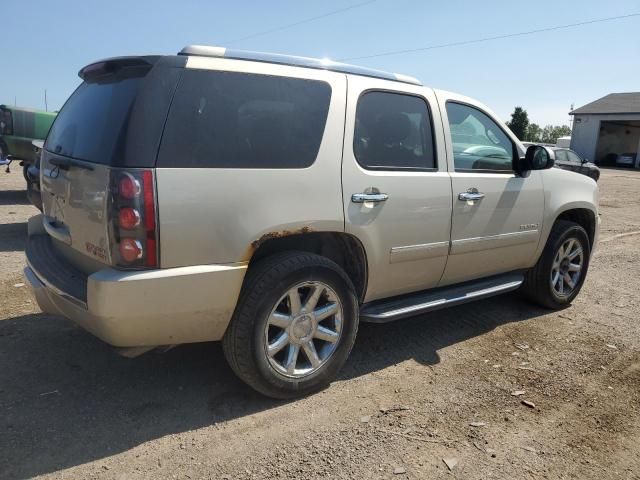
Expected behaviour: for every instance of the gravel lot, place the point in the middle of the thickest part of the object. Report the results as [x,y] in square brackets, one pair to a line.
[413,394]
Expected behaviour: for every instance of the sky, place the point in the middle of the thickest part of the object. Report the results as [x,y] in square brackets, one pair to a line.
[45,43]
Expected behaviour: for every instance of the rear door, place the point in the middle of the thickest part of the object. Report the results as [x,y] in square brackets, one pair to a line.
[397,192]
[113,119]
[497,214]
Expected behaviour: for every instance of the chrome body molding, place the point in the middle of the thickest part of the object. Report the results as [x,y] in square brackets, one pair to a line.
[418,252]
[466,245]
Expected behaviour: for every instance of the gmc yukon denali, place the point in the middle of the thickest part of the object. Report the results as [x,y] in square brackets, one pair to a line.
[274,202]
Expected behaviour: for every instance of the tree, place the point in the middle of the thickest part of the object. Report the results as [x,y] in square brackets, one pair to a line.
[519,122]
[534,133]
[551,133]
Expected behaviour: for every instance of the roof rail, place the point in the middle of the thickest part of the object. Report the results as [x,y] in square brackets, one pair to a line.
[317,63]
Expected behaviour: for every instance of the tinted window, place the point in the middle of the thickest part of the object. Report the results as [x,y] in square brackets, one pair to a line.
[573,157]
[478,142]
[239,120]
[393,131]
[561,156]
[93,123]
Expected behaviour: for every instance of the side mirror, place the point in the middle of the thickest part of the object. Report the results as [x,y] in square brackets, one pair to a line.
[536,158]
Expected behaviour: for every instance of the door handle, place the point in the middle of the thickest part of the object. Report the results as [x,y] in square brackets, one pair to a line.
[369,197]
[470,195]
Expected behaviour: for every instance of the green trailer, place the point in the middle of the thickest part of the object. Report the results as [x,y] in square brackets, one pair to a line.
[19,127]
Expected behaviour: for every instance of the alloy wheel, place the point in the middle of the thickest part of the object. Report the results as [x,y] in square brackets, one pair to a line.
[304,329]
[566,269]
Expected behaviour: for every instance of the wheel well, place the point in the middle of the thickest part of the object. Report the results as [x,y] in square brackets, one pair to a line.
[583,217]
[342,248]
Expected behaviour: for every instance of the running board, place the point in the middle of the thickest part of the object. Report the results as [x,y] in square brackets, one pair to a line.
[403,306]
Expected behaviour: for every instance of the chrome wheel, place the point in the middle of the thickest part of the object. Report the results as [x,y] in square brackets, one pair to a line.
[566,269]
[303,329]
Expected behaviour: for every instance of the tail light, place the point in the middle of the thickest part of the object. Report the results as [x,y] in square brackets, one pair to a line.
[133,231]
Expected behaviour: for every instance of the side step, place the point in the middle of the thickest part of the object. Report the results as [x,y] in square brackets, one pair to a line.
[403,306]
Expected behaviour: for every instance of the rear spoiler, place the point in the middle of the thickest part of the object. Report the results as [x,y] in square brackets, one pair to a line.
[96,71]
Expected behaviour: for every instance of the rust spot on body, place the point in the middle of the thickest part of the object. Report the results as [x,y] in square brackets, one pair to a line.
[272,235]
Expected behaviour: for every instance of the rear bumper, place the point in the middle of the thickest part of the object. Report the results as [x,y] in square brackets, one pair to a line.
[139,308]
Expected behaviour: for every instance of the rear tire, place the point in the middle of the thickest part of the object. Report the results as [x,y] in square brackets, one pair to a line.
[294,326]
[561,269]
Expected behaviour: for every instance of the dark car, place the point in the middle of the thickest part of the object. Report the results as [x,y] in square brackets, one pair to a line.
[569,160]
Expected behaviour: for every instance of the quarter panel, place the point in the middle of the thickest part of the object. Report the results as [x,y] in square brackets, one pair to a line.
[214,215]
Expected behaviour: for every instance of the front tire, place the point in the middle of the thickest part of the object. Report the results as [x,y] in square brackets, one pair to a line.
[562,268]
[294,326]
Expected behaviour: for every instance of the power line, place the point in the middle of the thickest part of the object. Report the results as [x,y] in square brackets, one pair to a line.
[300,22]
[487,39]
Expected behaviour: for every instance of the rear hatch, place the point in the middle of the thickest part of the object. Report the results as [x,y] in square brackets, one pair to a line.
[107,131]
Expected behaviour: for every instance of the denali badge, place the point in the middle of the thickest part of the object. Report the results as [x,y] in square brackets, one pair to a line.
[96,251]
[529,226]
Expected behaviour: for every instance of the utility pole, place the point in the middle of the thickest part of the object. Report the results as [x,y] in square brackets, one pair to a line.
[45,101]
[15,101]
[571,119]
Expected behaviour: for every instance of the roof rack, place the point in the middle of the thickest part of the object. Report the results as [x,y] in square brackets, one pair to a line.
[317,63]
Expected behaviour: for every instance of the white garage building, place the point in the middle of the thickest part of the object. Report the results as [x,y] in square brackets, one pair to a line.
[609,126]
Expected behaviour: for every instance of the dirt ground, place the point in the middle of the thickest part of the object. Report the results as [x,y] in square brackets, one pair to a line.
[413,394]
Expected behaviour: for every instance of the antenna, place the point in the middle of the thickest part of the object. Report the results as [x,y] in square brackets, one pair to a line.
[46,109]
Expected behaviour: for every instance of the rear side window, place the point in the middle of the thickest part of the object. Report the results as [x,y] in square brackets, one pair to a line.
[240,120]
[92,124]
[393,132]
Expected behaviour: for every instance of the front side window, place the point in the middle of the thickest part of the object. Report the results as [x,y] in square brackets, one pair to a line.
[573,157]
[478,142]
[561,156]
[240,120]
[393,132]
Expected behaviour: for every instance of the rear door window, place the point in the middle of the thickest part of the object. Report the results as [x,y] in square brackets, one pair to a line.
[92,124]
[393,132]
[240,120]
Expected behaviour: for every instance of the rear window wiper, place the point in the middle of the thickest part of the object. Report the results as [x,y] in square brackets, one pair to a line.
[66,163]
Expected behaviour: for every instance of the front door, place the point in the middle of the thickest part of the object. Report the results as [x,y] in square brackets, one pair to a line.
[497,214]
[396,189]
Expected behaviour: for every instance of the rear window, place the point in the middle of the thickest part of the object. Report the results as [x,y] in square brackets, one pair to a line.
[240,120]
[92,124]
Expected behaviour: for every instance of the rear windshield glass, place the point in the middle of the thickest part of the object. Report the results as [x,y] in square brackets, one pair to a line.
[92,124]
[239,120]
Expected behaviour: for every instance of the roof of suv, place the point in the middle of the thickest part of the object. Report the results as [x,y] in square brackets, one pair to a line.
[317,63]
